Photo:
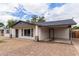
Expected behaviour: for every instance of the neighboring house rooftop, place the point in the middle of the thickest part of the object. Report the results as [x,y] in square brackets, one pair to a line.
[2,28]
[53,23]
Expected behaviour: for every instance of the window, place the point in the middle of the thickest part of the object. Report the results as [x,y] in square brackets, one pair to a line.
[27,32]
[7,31]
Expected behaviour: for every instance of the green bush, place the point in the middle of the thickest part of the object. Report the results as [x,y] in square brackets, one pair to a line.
[76,27]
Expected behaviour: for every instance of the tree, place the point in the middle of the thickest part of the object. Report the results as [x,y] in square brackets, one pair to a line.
[11,22]
[28,21]
[37,19]
[76,27]
[1,24]
[34,18]
[41,19]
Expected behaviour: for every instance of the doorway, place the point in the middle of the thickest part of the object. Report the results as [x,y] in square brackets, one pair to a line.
[16,32]
[51,34]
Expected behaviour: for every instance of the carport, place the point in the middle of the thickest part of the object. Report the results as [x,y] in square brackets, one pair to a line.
[56,30]
[60,33]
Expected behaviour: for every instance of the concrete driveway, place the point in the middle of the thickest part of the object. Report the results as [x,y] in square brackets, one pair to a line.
[76,43]
[25,47]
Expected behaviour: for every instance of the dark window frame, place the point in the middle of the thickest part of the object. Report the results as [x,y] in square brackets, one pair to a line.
[27,32]
[7,31]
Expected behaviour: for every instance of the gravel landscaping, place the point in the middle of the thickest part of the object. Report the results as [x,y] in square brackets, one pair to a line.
[25,47]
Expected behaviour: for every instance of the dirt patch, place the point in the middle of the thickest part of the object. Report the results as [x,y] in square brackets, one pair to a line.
[25,47]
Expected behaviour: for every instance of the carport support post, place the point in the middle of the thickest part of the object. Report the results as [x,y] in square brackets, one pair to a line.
[36,33]
[70,35]
[10,32]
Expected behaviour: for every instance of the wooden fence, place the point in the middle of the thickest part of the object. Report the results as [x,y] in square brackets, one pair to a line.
[75,34]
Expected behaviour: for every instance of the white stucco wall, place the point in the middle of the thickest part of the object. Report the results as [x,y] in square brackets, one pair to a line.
[43,33]
[58,33]
[20,36]
[13,32]
[25,37]
[61,33]
[1,34]
[6,34]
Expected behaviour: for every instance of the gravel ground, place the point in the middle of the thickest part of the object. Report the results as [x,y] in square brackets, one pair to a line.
[22,47]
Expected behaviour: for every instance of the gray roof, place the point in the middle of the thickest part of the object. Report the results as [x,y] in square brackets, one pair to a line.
[50,23]
[60,22]
[22,23]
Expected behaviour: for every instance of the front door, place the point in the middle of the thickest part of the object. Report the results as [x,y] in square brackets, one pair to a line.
[51,34]
[16,32]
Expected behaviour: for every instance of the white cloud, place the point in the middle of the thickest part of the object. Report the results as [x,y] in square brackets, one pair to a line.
[4,8]
[67,11]
[5,18]
[36,8]
[27,1]
[59,13]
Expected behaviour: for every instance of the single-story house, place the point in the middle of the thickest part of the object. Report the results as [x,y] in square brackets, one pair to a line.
[6,32]
[1,31]
[43,31]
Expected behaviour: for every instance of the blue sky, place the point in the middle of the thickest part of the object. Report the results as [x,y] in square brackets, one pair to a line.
[51,11]
[53,5]
[20,11]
